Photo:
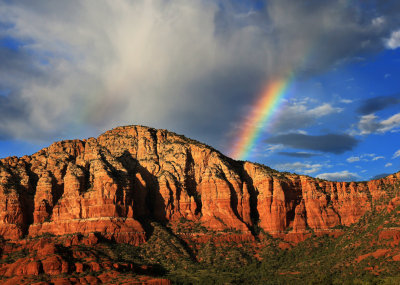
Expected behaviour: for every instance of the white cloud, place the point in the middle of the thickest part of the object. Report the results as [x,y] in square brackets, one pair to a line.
[346,101]
[378,157]
[369,155]
[266,150]
[371,124]
[306,168]
[344,175]
[394,41]
[273,148]
[396,154]
[363,157]
[270,149]
[297,114]
[378,21]
[388,164]
[368,124]
[324,110]
[303,132]
[390,123]
[353,159]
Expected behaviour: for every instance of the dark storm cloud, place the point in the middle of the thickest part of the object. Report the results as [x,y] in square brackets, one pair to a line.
[11,111]
[299,154]
[334,31]
[333,143]
[17,68]
[16,65]
[15,123]
[188,66]
[375,104]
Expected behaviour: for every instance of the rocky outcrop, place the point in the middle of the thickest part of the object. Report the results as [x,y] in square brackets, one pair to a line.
[69,260]
[116,184]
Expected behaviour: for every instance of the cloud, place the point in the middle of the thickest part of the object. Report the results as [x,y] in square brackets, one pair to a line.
[126,62]
[266,150]
[300,167]
[378,157]
[378,21]
[333,143]
[346,101]
[369,124]
[388,164]
[340,176]
[396,154]
[296,115]
[353,159]
[299,154]
[379,176]
[394,41]
[188,66]
[364,157]
[375,104]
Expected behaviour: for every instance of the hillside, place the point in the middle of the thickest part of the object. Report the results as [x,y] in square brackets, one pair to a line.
[139,202]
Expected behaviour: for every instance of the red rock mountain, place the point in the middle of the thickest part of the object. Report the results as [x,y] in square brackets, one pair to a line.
[116,184]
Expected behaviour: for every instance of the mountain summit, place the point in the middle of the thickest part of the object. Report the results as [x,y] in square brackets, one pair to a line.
[117,183]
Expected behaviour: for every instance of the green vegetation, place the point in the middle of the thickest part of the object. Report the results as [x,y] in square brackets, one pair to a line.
[319,260]
[14,256]
[189,253]
[187,226]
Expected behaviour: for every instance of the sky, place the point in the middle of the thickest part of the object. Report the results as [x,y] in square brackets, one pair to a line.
[74,69]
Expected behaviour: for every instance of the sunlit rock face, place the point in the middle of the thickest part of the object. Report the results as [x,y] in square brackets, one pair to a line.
[117,184]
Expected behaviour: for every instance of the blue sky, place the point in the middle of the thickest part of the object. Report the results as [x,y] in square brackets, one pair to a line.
[73,69]
[372,79]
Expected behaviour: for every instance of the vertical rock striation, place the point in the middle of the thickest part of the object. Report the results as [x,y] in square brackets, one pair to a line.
[118,183]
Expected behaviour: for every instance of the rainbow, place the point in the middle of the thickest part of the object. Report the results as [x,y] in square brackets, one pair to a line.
[261,113]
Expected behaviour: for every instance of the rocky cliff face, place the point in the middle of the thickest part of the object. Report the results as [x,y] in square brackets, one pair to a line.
[116,184]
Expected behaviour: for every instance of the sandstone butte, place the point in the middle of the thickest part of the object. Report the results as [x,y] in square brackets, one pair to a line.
[114,184]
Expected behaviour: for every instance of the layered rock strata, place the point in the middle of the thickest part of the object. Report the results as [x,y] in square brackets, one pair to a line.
[116,184]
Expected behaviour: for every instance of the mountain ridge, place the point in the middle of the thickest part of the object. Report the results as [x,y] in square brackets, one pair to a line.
[204,182]
[140,186]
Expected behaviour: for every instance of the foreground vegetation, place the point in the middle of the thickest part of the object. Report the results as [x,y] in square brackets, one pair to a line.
[347,259]
[367,252]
